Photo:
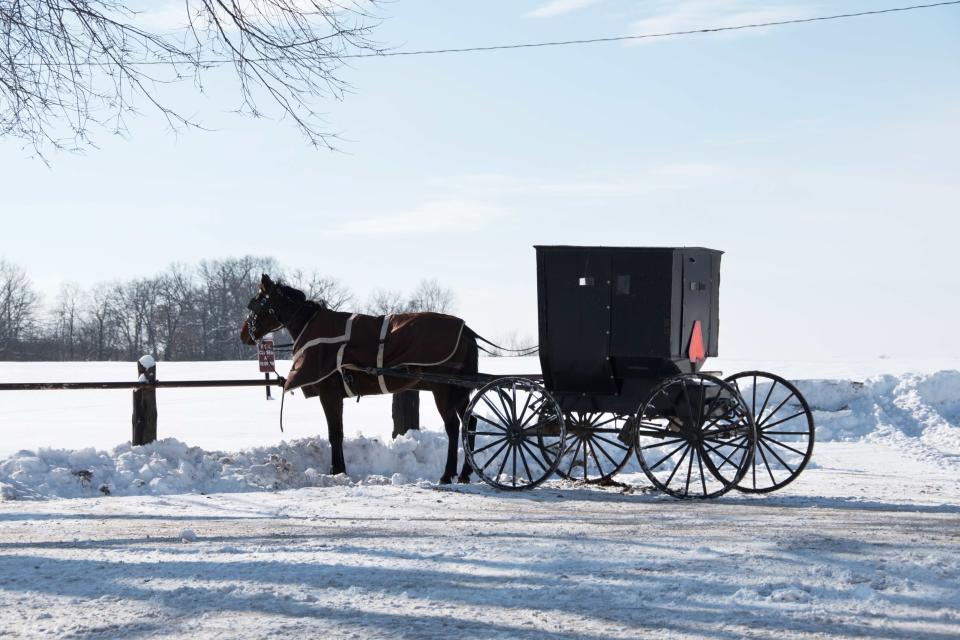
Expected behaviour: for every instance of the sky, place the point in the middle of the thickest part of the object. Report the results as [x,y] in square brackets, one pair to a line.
[821,158]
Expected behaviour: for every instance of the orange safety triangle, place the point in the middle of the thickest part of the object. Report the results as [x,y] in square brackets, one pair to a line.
[697,351]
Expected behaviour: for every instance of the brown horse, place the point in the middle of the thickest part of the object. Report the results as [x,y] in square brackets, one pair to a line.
[278,306]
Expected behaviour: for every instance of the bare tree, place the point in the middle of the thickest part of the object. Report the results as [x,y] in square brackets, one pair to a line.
[67,320]
[328,290]
[386,301]
[430,296]
[19,304]
[70,66]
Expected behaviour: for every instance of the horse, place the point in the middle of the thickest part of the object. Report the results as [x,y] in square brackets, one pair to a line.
[279,306]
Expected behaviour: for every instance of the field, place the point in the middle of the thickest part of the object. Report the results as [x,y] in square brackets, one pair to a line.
[229,528]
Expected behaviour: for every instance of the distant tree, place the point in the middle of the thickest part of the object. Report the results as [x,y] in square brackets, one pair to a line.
[386,301]
[430,296]
[19,306]
[330,291]
[67,320]
[70,66]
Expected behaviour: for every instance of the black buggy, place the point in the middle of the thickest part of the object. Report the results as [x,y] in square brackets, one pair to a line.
[624,333]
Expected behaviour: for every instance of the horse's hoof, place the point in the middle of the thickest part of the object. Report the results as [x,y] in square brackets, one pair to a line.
[464,479]
[336,472]
[446,480]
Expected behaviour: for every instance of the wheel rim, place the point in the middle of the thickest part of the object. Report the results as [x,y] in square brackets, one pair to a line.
[785,430]
[594,451]
[515,428]
[694,436]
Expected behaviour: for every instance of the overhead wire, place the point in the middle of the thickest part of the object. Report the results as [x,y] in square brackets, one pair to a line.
[534,45]
[560,43]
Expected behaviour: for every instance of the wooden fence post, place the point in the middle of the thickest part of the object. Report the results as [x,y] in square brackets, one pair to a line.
[145,404]
[406,412]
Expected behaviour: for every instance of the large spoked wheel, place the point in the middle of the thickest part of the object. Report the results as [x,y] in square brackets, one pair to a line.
[595,451]
[694,436]
[785,430]
[515,429]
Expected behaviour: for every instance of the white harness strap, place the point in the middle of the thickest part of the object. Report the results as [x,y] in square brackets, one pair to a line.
[383,338]
[340,351]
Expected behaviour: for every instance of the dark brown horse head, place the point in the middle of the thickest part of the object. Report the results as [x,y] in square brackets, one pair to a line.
[264,315]
[272,308]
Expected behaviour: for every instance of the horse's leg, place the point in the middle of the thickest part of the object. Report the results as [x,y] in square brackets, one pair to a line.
[471,438]
[471,367]
[333,409]
[447,404]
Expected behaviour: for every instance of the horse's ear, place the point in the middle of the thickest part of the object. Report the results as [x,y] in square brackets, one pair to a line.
[265,282]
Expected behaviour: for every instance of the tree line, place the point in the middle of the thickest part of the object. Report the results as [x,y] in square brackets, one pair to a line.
[187,312]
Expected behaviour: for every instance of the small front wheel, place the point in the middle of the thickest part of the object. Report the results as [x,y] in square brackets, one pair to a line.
[515,433]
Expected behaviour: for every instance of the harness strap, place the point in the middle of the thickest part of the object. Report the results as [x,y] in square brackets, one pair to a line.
[383,339]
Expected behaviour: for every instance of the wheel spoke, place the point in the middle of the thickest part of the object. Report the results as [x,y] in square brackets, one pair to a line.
[534,456]
[664,443]
[593,453]
[538,424]
[611,442]
[679,464]
[726,459]
[662,460]
[487,446]
[686,490]
[523,459]
[523,411]
[774,454]
[703,478]
[802,412]
[757,416]
[494,456]
[502,397]
[573,458]
[504,463]
[774,412]
[492,424]
[789,448]
[495,410]
[763,456]
[534,410]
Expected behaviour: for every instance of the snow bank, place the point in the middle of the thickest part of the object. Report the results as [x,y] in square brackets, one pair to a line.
[170,466]
[919,414]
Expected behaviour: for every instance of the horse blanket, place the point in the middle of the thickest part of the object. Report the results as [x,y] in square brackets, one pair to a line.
[335,342]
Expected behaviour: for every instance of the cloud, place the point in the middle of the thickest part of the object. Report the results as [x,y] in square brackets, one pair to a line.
[559,7]
[444,216]
[686,15]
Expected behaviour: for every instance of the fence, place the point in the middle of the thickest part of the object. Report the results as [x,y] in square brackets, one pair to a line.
[406,405]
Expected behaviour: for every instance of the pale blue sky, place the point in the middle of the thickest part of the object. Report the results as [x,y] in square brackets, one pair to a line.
[822,158]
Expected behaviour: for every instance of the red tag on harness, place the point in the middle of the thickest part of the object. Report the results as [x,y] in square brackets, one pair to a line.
[697,351]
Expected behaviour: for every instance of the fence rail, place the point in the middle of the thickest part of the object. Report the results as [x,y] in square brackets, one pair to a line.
[160,384]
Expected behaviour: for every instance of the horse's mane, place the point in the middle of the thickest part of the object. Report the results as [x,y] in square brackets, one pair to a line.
[299,296]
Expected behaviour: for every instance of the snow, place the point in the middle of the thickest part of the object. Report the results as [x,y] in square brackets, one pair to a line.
[227,528]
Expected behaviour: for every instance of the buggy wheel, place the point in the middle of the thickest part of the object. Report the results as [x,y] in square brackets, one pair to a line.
[516,430]
[694,436]
[598,446]
[785,430]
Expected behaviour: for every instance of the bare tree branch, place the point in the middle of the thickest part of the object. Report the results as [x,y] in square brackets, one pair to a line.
[69,67]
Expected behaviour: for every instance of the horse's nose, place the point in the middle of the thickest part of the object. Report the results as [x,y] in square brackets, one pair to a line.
[245,336]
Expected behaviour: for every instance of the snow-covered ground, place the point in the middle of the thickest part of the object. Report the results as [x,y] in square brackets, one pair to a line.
[223,530]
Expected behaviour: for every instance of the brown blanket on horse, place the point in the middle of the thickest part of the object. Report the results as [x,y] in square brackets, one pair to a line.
[335,342]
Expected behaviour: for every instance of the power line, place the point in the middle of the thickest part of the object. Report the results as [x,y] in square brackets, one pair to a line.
[561,43]
[528,45]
